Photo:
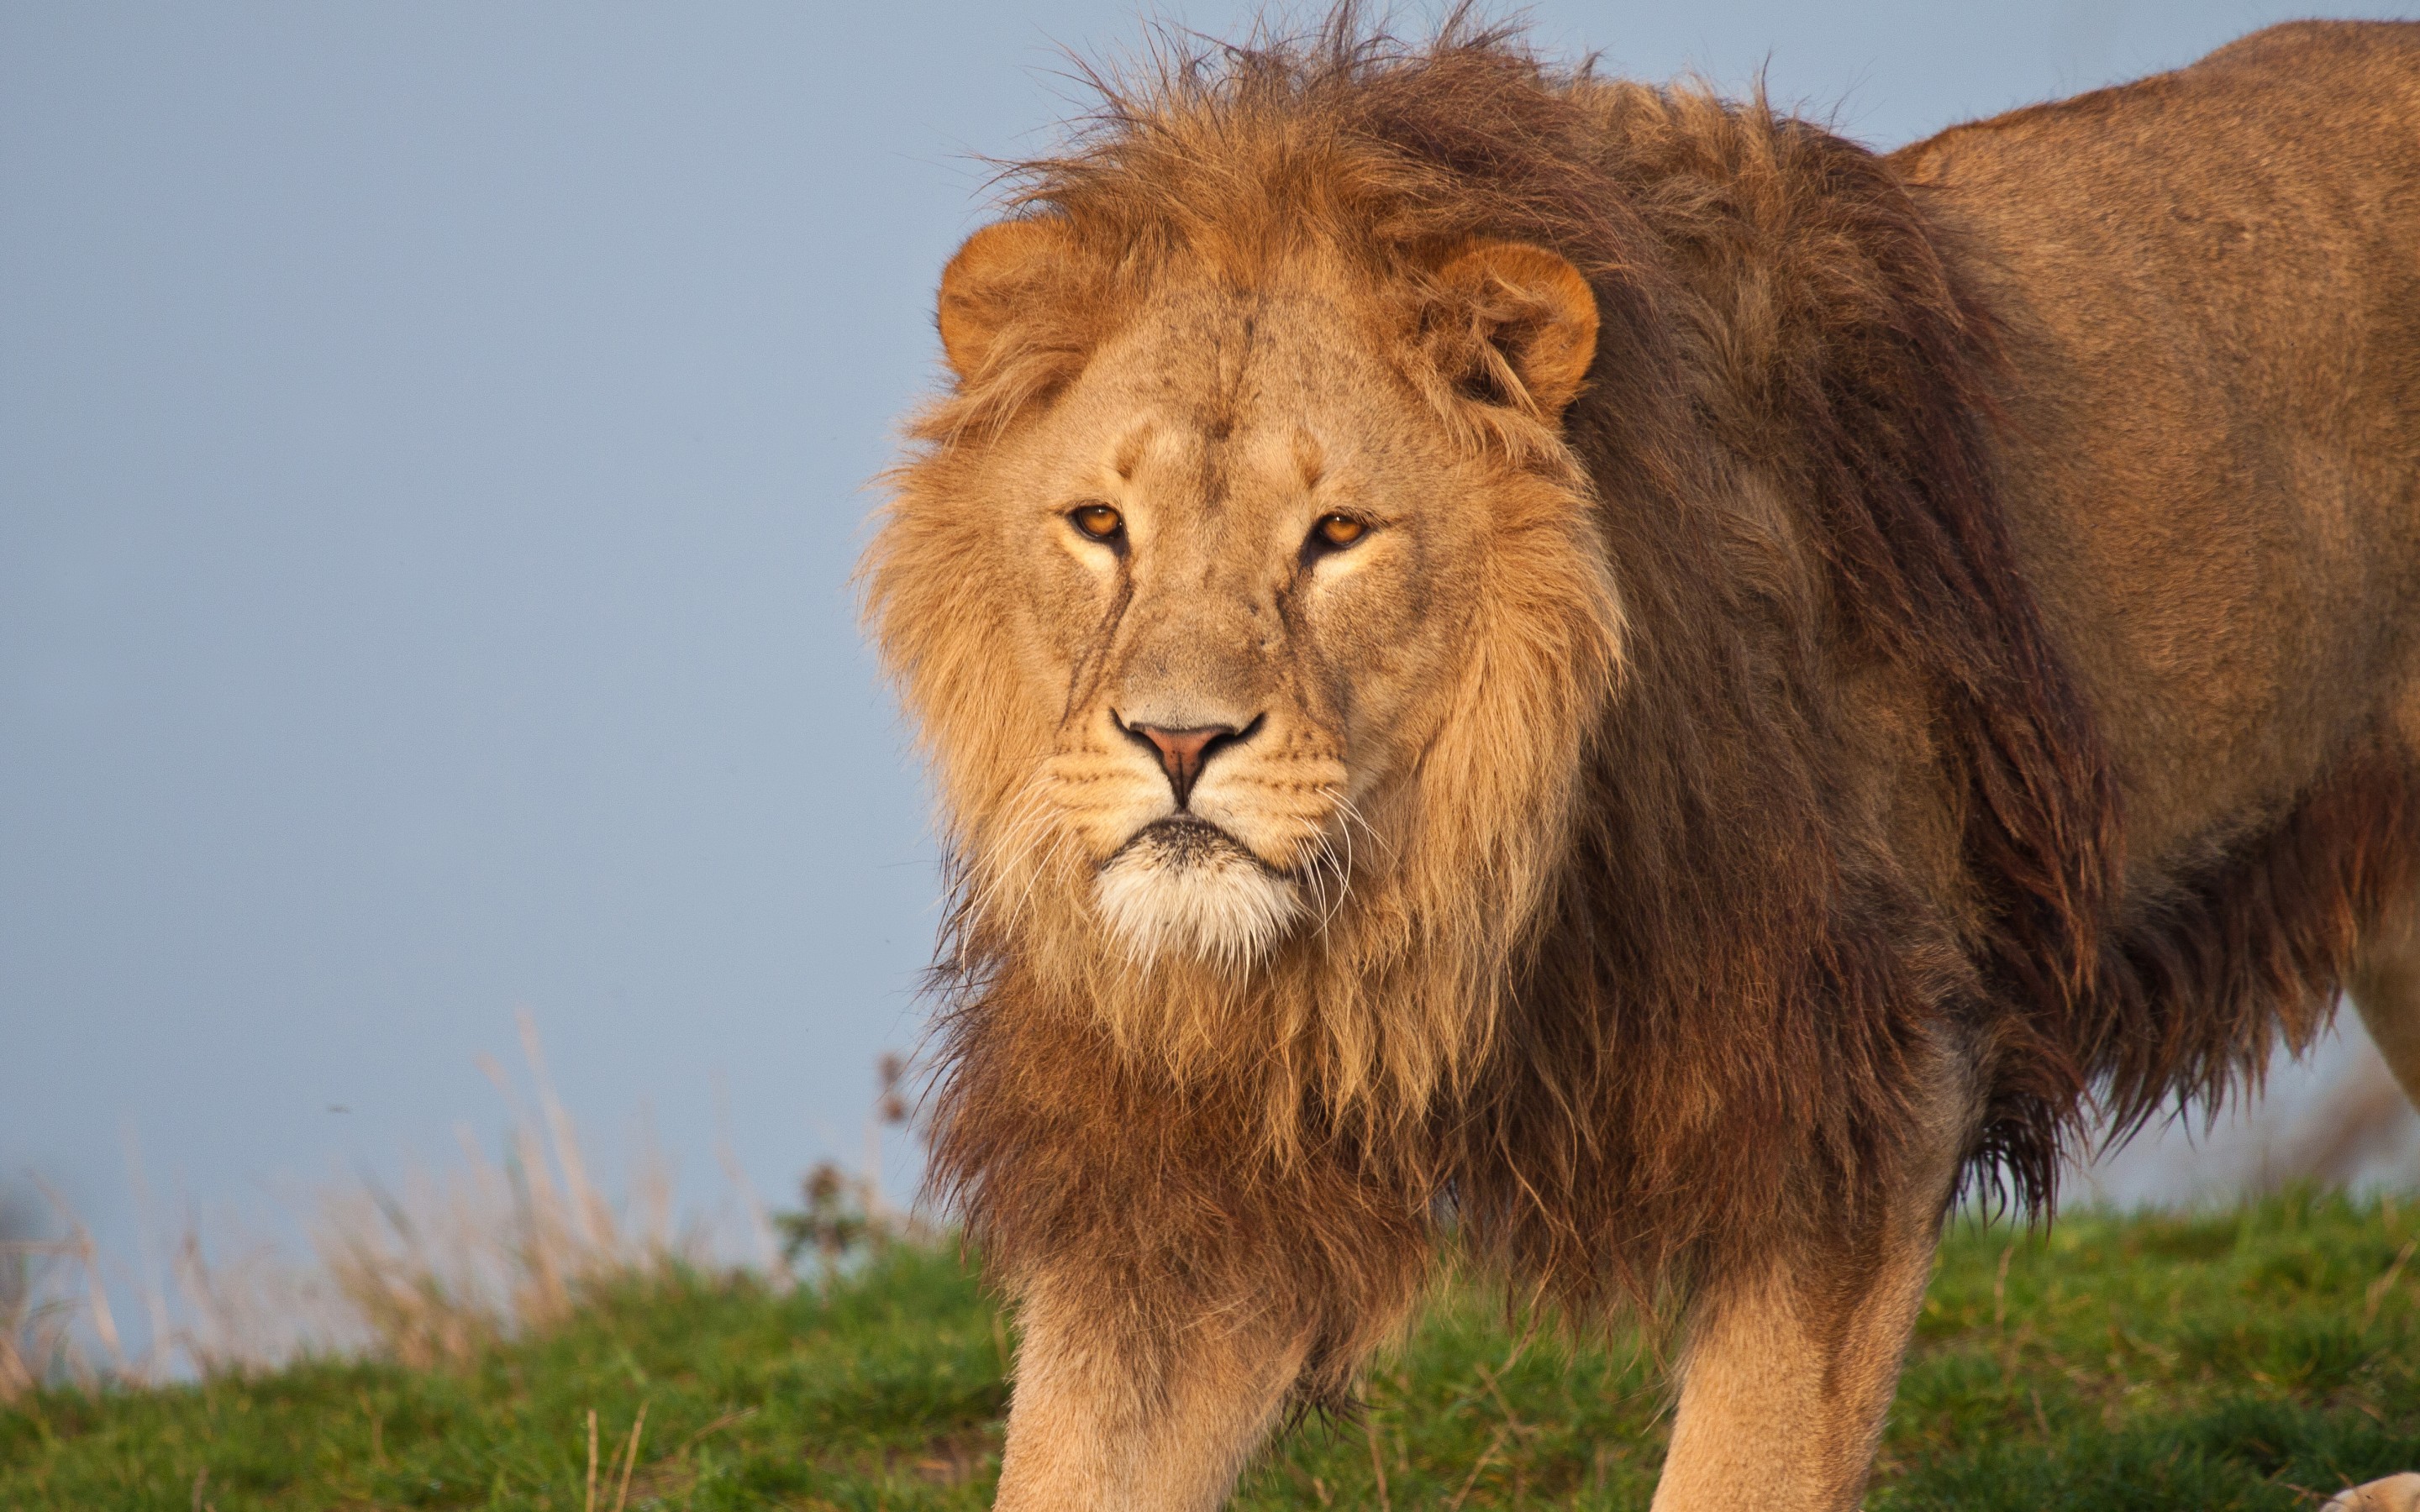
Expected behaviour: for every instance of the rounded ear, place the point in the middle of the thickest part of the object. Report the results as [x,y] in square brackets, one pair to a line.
[1533,311]
[986,283]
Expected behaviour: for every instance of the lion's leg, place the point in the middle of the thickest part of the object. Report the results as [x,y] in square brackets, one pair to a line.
[2385,987]
[1791,1365]
[1118,1409]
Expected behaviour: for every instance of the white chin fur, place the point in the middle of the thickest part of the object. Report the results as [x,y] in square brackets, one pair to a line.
[1184,897]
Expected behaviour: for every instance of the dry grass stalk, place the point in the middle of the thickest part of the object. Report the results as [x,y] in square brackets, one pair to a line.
[425,1272]
[37,1337]
[47,1287]
[842,1214]
[461,1256]
[763,1242]
[631,1459]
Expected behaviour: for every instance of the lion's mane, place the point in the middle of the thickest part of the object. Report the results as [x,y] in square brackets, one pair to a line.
[1701,1005]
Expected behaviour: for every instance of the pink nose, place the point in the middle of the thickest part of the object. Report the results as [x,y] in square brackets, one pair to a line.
[1183,751]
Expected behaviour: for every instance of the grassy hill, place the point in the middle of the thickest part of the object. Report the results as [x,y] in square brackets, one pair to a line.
[2257,1358]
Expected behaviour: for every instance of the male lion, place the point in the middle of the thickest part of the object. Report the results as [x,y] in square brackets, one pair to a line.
[1614,668]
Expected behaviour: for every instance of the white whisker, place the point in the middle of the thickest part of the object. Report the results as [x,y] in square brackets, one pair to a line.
[1041,865]
[1026,814]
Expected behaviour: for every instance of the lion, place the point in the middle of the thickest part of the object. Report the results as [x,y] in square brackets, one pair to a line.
[1606,679]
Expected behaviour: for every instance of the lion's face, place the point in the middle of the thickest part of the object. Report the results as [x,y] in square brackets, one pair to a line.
[1235,571]
[1244,567]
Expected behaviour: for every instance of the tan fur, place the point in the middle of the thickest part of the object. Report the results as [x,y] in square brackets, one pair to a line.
[2392,1494]
[1790,1361]
[2385,987]
[1843,657]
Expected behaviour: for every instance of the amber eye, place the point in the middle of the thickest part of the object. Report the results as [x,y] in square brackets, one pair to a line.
[1099,521]
[1339,531]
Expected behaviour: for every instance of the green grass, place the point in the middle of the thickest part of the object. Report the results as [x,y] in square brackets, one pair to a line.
[2248,1359]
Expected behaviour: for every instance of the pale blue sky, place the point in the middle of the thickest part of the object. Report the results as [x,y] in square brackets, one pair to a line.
[432,440]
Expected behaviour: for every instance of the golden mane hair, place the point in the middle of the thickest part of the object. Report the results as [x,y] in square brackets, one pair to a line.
[1662,978]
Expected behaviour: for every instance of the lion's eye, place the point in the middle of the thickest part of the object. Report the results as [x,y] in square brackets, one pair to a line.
[1099,521]
[1339,531]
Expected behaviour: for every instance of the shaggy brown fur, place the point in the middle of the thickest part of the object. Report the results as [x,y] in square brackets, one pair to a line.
[1820,796]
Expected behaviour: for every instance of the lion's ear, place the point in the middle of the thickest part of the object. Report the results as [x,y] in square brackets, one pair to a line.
[1533,314]
[998,269]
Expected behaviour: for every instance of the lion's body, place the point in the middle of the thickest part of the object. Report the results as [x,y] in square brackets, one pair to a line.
[2207,286]
[2208,289]
[1813,661]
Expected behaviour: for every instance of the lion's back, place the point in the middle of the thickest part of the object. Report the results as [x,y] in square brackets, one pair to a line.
[2280,99]
[2209,283]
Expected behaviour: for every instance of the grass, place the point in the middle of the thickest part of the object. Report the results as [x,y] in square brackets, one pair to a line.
[2257,1358]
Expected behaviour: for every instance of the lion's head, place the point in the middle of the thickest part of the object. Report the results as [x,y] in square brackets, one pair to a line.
[1247,597]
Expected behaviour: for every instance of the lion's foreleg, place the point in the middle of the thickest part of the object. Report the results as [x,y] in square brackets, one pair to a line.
[1122,1405]
[1791,1362]
[2386,989]
[1786,1386]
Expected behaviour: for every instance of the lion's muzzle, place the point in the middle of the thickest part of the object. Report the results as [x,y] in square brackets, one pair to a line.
[1183,885]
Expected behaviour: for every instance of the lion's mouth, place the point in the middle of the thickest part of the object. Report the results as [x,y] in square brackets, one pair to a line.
[1187,840]
[1183,885]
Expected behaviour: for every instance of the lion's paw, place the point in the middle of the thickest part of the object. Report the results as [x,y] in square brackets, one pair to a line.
[2395,1493]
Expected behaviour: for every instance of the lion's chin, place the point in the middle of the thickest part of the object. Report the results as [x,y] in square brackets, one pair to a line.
[1187,889]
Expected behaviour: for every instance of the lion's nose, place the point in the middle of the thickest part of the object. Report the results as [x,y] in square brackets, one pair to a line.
[1184,751]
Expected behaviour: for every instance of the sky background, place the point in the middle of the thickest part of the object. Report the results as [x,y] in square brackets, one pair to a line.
[433,447]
